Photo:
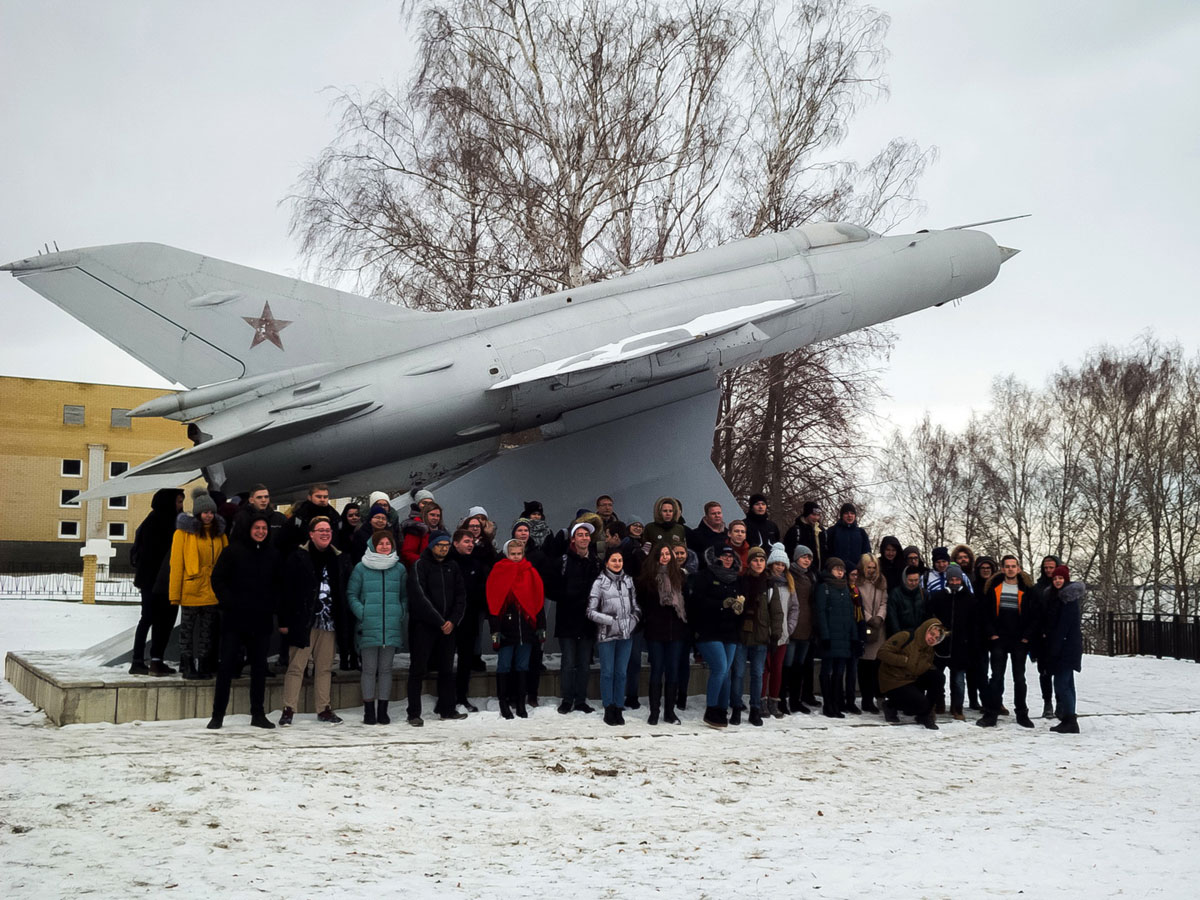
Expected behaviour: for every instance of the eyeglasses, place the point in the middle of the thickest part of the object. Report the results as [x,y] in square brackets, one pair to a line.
[322,531]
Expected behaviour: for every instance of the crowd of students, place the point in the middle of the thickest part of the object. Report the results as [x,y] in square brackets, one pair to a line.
[360,586]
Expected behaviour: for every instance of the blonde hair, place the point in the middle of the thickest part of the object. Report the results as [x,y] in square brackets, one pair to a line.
[878,581]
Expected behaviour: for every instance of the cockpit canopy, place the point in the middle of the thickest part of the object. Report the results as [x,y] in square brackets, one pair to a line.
[826,234]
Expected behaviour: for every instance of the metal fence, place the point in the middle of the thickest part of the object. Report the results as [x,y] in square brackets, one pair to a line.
[47,585]
[1140,634]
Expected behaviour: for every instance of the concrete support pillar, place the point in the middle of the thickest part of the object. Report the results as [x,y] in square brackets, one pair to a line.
[93,515]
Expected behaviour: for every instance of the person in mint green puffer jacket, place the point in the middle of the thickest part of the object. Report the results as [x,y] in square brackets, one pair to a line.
[379,600]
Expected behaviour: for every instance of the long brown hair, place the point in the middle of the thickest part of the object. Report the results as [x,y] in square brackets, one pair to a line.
[648,577]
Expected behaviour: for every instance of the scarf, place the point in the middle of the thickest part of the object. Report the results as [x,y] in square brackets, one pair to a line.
[519,580]
[378,561]
[669,595]
[724,575]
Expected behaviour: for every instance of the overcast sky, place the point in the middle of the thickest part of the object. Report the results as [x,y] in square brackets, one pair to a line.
[187,124]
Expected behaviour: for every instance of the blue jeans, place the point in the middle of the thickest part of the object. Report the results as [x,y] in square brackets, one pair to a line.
[756,655]
[576,660]
[664,662]
[633,671]
[614,659]
[719,658]
[1064,690]
[513,653]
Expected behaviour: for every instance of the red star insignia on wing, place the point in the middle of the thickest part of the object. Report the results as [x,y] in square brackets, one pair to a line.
[266,327]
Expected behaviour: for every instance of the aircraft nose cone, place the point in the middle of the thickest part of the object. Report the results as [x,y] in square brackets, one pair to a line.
[1007,253]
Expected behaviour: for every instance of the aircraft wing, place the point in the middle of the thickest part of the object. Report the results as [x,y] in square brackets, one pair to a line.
[739,321]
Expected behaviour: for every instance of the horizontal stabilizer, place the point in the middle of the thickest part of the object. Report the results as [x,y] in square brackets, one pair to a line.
[198,320]
[699,329]
[127,484]
[245,440]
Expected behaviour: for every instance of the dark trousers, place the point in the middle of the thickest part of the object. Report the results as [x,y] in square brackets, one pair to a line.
[157,620]
[198,638]
[256,646]
[533,681]
[868,679]
[633,671]
[1000,656]
[833,679]
[977,675]
[466,642]
[809,683]
[919,697]
[1045,681]
[575,668]
[426,643]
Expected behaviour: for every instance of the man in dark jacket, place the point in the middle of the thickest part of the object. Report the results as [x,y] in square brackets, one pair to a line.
[955,607]
[1042,588]
[259,503]
[760,531]
[847,539]
[437,602]
[571,579]
[246,580]
[1010,611]
[151,550]
[466,636]
[908,678]
[710,533]
[891,561]
[806,531]
[313,602]
[303,513]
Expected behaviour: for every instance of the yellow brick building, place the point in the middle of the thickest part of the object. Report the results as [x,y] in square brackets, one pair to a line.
[57,439]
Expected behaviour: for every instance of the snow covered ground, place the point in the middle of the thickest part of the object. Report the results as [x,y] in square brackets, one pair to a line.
[490,808]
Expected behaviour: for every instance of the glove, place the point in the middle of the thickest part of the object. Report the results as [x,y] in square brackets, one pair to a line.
[495,640]
[739,603]
[541,635]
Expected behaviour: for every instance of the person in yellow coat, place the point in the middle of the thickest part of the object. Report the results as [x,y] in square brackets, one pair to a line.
[198,542]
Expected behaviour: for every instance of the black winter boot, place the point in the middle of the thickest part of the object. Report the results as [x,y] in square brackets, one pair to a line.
[1068,725]
[889,713]
[713,717]
[929,720]
[987,720]
[610,715]
[755,716]
[521,712]
[654,701]
[1023,718]
[668,707]
[681,698]
[369,712]
[502,684]
[381,713]
[735,716]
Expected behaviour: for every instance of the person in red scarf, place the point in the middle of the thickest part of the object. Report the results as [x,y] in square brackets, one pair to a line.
[516,603]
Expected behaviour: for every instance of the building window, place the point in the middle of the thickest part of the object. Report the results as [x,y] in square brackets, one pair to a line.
[72,468]
[116,531]
[72,415]
[119,418]
[117,468]
[68,530]
[68,497]
[121,502]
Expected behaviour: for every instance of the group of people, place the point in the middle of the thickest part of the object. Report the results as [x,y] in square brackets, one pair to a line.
[741,596]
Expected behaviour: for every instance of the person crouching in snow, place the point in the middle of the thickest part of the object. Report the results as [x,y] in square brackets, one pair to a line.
[907,676]
[1064,643]
[516,602]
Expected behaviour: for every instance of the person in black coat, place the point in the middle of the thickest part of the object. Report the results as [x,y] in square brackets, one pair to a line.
[847,539]
[760,531]
[955,607]
[661,593]
[714,612]
[1045,679]
[806,531]
[475,573]
[569,585]
[1064,643]
[151,549]
[437,602]
[246,580]
[891,561]
[310,610]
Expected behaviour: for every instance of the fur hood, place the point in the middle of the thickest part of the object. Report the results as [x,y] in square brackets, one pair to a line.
[190,524]
[678,520]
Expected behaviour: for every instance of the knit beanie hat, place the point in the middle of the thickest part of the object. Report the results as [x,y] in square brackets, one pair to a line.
[940,553]
[777,555]
[1061,571]
[473,511]
[800,551]
[517,524]
[848,508]
[756,551]
[810,507]
[953,571]
[202,502]
[531,507]
[375,496]
[756,498]
[422,495]
[377,509]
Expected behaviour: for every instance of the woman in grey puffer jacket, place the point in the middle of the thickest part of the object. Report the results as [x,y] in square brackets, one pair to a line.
[612,605]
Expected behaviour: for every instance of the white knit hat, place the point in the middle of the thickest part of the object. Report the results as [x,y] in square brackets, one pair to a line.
[777,555]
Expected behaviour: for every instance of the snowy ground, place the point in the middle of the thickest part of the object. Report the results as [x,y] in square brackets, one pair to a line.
[483,808]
